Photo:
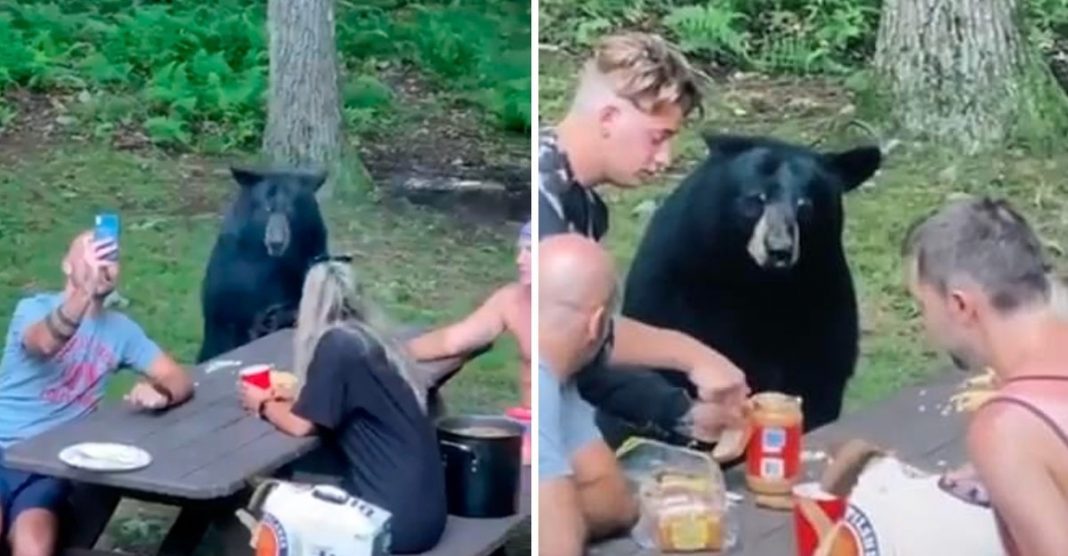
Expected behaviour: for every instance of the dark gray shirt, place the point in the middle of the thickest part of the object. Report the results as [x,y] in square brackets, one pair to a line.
[628,401]
[564,205]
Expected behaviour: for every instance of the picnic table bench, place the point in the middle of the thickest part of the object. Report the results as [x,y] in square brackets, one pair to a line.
[205,453]
[912,423]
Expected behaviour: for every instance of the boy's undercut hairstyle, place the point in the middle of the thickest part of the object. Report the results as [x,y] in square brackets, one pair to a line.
[645,70]
[985,241]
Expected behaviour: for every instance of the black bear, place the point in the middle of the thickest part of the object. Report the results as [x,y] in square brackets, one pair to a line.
[270,235]
[746,256]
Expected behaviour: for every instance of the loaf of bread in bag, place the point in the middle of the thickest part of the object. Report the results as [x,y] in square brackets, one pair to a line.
[685,518]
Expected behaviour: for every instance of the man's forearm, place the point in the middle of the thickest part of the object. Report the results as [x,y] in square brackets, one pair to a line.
[454,340]
[47,337]
[642,345]
[430,346]
[180,388]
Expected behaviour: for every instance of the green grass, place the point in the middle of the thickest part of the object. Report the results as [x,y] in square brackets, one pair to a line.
[421,266]
[914,181]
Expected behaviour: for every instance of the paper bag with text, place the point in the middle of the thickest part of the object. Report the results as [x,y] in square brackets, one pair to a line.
[897,510]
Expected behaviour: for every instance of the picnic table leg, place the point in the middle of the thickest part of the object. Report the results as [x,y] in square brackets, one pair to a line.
[233,536]
[91,508]
[188,530]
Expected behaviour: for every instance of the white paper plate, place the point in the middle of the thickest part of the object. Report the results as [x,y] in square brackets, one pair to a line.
[102,456]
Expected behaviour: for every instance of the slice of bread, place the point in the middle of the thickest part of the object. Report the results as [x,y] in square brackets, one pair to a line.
[732,444]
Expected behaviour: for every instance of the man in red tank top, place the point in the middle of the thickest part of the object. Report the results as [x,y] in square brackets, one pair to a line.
[980,277]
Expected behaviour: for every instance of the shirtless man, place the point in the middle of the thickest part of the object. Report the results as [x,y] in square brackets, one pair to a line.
[506,310]
[980,278]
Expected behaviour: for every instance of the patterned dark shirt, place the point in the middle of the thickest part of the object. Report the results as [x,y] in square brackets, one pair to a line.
[564,204]
[629,402]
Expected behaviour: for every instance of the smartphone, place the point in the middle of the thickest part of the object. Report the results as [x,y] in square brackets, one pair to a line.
[107,227]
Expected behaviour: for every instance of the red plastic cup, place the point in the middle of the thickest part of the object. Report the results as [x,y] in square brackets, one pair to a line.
[519,413]
[522,414]
[815,514]
[257,375]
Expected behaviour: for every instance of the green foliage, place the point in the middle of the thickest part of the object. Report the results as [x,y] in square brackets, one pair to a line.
[194,74]
[453,42]
[773,36]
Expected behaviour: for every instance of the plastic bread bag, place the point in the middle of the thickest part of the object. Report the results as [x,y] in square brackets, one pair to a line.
[683,502]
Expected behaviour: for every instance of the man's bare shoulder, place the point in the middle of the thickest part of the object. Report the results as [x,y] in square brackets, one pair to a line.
[515,300]
[509,296]
[999,425]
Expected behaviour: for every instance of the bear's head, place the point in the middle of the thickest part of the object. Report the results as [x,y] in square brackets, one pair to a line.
[275,206]
[774,198]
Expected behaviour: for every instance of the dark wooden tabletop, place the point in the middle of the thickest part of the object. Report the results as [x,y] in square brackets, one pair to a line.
[916,424]
[204,449]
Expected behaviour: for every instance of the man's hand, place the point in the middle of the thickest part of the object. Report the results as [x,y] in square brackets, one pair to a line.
[717,379]
[98,276]
[144,396]
[964,483]
[706,421]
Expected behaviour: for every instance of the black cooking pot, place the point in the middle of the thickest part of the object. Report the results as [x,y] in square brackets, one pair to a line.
[483,458]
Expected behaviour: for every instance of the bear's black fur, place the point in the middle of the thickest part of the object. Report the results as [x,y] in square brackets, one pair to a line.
[790,323]
[271,233]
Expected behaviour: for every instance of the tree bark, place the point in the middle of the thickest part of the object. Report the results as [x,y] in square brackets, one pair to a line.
[304,107]
[958,72]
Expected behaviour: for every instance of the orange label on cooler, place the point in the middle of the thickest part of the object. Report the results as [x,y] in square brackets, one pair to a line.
[272,539]
[774,452]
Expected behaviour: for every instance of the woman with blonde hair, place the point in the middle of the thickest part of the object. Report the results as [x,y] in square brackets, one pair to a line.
[357,390]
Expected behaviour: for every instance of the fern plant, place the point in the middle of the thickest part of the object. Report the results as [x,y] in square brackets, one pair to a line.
[714,29]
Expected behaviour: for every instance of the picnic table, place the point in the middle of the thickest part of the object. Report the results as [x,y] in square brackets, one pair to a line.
[914,423]
[205,453]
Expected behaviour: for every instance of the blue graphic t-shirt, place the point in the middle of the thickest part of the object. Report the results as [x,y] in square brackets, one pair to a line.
[37,394]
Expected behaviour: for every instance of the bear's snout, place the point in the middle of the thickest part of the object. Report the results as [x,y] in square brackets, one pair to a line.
[775,240]
[276,236]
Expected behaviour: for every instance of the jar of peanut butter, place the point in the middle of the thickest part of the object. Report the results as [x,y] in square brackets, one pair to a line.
[773,456]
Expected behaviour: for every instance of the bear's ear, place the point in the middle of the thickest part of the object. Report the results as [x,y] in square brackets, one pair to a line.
[727,145]
[312,181]
[246,177]
[855,166]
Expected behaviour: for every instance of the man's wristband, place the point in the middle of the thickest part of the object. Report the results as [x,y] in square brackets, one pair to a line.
[63,318]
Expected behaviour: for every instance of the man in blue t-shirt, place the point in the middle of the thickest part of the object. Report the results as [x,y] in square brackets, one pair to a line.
[582,495]
[59,350]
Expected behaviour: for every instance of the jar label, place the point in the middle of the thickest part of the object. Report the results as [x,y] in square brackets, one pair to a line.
[772,468]
[774,453]
[774,440]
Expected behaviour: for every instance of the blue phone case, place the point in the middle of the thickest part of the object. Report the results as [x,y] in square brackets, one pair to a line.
[107,227]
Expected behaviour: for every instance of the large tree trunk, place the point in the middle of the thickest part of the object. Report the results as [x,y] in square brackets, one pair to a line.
[304,110]
[958,71]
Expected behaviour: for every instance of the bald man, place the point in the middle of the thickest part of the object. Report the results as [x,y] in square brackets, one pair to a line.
[59,350]
[582,492]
